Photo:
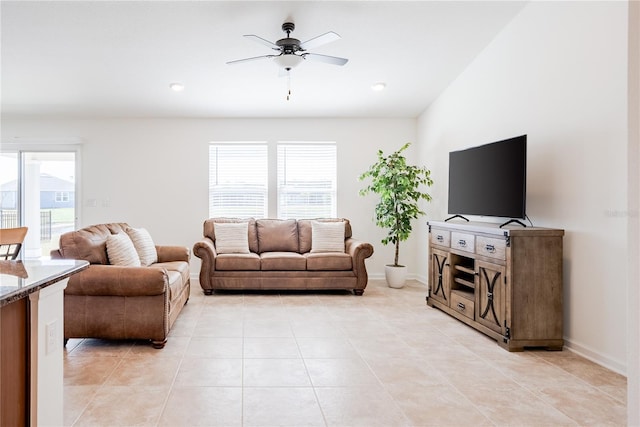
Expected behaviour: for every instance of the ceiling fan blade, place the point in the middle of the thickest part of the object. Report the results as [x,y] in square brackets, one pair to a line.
[262,41]
[326,58]
[250,59]
[319,40]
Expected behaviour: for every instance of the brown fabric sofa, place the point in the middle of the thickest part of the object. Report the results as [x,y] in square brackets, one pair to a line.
[280,257]
[122,302]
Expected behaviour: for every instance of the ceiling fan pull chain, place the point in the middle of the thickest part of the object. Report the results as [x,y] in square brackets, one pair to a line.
[288,85]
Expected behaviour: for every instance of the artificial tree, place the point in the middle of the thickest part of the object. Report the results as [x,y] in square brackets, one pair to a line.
[398,186]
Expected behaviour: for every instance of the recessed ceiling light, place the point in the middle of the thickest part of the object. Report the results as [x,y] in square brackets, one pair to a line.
[378,86]
[176,87]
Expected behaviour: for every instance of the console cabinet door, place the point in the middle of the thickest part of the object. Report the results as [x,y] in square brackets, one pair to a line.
[491,296]
[440,285]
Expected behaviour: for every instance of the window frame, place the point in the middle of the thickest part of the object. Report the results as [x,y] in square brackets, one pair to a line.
[332,191]
[272,191]
[264,190]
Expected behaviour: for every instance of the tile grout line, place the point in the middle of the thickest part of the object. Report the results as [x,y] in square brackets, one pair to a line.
[306,368]
[102,384]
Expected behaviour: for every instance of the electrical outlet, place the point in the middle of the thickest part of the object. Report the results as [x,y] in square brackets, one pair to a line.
[51,331]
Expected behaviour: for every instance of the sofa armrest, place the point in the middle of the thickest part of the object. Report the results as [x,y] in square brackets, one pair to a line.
[359,251]
[173,253]
[114,280]
[206,251]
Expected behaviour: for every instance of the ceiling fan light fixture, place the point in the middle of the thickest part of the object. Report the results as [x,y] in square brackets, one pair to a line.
[288,60]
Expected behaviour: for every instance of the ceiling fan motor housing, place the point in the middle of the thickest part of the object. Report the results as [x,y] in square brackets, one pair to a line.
[289,44]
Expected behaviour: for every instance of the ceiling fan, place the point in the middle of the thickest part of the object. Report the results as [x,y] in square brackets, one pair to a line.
[292,52]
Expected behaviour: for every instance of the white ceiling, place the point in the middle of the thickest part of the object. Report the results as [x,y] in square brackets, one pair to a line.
[102,58]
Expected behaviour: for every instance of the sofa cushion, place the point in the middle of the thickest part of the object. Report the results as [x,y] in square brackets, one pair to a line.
[232,238]
[181,267]
[327,236]
[209,230]
[176,284]
[282,261]
[305,230]
[277,235]
[231,262]
[121,251]
[328,261]
[143,243]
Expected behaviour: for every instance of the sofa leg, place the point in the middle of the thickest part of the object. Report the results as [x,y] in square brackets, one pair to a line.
[358,292]
[158,344]
[208,291]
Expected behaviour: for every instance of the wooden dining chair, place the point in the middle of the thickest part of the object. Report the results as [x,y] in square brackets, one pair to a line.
[11,242]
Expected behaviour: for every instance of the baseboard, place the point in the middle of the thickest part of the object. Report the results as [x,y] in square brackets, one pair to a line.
[416,277]
[596,357]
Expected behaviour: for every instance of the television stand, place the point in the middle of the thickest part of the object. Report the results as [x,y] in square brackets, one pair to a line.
[513,221]
[456,216]
[503,282]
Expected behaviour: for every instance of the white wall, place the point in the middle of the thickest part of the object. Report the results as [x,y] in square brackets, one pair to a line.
[633,321]
[558,73]
[153,173]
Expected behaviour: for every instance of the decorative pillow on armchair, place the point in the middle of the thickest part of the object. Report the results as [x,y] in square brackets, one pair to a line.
[143,243]
[121,251]
[231,237]
[327,236]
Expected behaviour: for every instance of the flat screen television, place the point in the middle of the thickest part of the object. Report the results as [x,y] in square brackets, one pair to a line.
[489,180]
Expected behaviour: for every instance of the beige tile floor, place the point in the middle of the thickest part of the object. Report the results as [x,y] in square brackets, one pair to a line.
[331,359]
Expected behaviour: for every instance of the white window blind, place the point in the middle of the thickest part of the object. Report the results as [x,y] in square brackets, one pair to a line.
[306,180]
[238,180]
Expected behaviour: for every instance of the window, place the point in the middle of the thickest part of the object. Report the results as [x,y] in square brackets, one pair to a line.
[238,180]
[306,180]
[301,176]
[62,196]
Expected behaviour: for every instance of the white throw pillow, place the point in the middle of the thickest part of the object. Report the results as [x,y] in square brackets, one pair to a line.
[231,237]
[121,251]
[327,236]
[143,243]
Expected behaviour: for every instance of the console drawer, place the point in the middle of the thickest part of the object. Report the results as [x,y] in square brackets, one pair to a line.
[463,241]
[462,304]
[441,237]
[493,248]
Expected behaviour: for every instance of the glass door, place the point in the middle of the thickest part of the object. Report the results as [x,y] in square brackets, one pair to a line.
[38,190]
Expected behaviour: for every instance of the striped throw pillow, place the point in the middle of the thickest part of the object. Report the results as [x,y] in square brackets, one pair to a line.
[327,236]
[121,252]
[143,243]
[231,237]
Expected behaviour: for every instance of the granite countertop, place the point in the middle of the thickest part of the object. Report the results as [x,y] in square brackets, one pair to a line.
[20,278]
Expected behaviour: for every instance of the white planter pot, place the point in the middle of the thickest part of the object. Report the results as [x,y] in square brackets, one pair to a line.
[396,276]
